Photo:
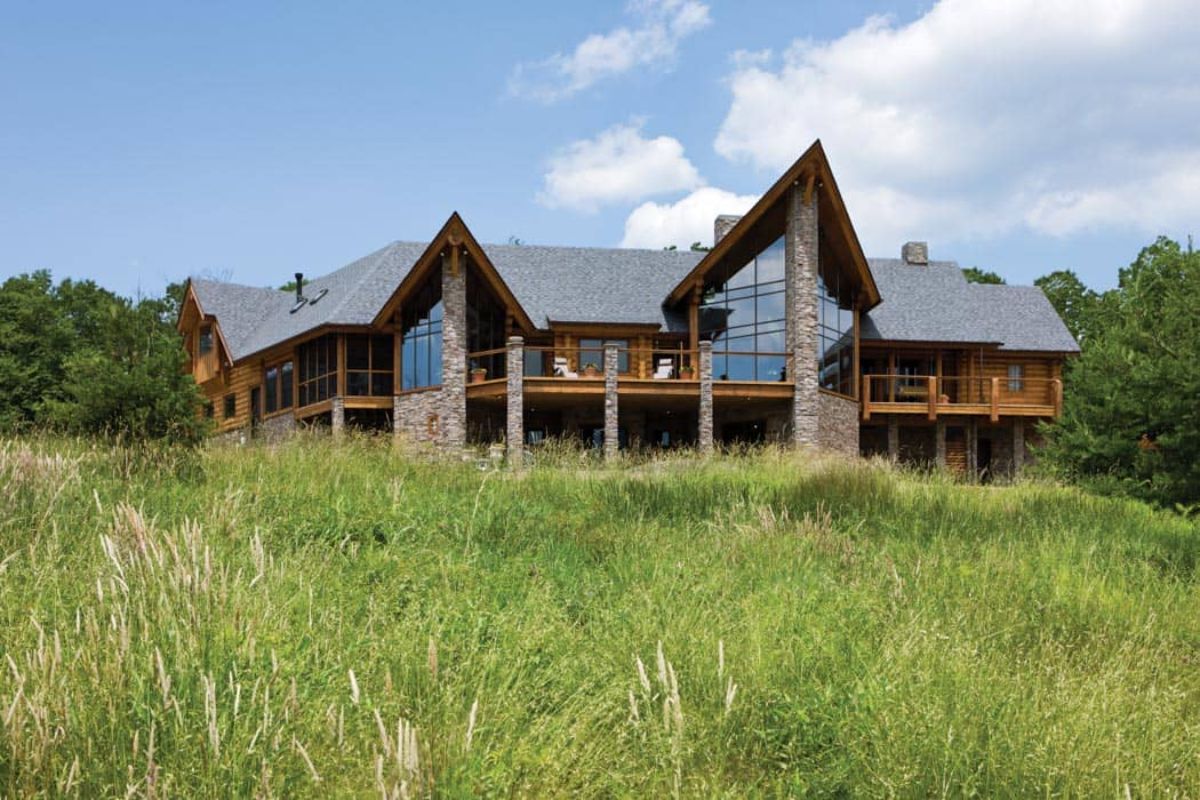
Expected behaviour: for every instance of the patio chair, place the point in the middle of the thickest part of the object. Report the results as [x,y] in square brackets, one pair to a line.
[665,370]
[562,368]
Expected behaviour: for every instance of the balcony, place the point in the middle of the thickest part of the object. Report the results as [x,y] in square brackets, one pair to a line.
[981,396]
[657,372]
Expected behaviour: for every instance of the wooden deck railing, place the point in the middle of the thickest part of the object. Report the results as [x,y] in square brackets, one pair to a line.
[930,395]
[677,364]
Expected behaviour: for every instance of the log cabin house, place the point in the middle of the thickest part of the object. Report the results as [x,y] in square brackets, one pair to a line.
[783,331]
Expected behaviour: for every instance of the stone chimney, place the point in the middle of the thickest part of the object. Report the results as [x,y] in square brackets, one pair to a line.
[723,225]
[915,253]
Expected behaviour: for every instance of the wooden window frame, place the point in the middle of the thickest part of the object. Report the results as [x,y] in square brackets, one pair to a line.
[228,400]
[292,394]
[388,368]
[332,367]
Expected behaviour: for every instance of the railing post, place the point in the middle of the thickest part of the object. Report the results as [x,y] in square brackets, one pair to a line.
[1058,396]
[865,388]
[995,399]
[932,389]
[515,423]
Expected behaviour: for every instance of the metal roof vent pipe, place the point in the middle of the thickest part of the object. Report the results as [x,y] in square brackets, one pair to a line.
[300,299]
[915,253]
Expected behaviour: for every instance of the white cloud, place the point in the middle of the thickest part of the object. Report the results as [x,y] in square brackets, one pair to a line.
[982,116]
[618,165]
[660,26]
[688,220]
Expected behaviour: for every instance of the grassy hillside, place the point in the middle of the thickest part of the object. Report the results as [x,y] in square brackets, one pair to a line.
[343,620]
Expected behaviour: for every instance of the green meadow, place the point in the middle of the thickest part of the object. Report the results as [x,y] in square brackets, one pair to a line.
[351,619]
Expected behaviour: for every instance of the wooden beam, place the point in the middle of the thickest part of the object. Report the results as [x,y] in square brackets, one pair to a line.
[694,322]
[995,399]
[341,371]
[857,384]
[932,389]
[809,186]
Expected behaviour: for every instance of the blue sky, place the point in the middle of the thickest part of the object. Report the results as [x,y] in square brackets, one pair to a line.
[142,142]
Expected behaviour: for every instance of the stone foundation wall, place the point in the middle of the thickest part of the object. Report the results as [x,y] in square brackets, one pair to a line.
[420,416]
[274,429]
[837,424]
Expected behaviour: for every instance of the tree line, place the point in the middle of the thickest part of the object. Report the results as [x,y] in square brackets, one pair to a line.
[79,358]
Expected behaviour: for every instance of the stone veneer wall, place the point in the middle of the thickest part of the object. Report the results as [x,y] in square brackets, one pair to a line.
[278,427]
[419,416]
[800,282]
[611,407]
[837,423]
[453,396]
[515,412]
[705,421]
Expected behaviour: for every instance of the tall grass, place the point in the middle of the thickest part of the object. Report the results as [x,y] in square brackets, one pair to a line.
[320,619]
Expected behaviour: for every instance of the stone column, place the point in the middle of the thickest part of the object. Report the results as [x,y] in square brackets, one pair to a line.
[337,415]
[800,283]
[893,438]
[705,433]
[453,401]
[515,428]
[940,443]
[611,425]
[1018,447]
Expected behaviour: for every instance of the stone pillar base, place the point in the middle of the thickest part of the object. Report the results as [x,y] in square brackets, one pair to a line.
[705,433]
[514,431]
[611,421]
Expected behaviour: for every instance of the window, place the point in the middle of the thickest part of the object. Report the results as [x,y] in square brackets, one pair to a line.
[486,325]
[369,365]
[1016,377]
[421,337]
[835,327]
[206,340]
[208,409]
[745,317]
[278,385]
[591,351]
[230,410]
[317,362]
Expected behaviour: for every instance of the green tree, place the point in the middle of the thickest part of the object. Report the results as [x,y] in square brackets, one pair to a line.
[977,275]
[78,357]
[130,380]
[1131,418]
[1082,309]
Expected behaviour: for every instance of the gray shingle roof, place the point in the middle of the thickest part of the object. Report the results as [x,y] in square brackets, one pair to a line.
[585,284]
[936,303]
[561,284]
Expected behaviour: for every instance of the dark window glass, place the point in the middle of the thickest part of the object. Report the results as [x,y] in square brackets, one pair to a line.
[285,385]
[358,383]
[358,352]
[230,410]
[591,351]
[206,340]
[208,409]
[746,315]
[318,369]
[835,333]
[381,384]
[272,385]
[486,328]
[421,337]
[369,365]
